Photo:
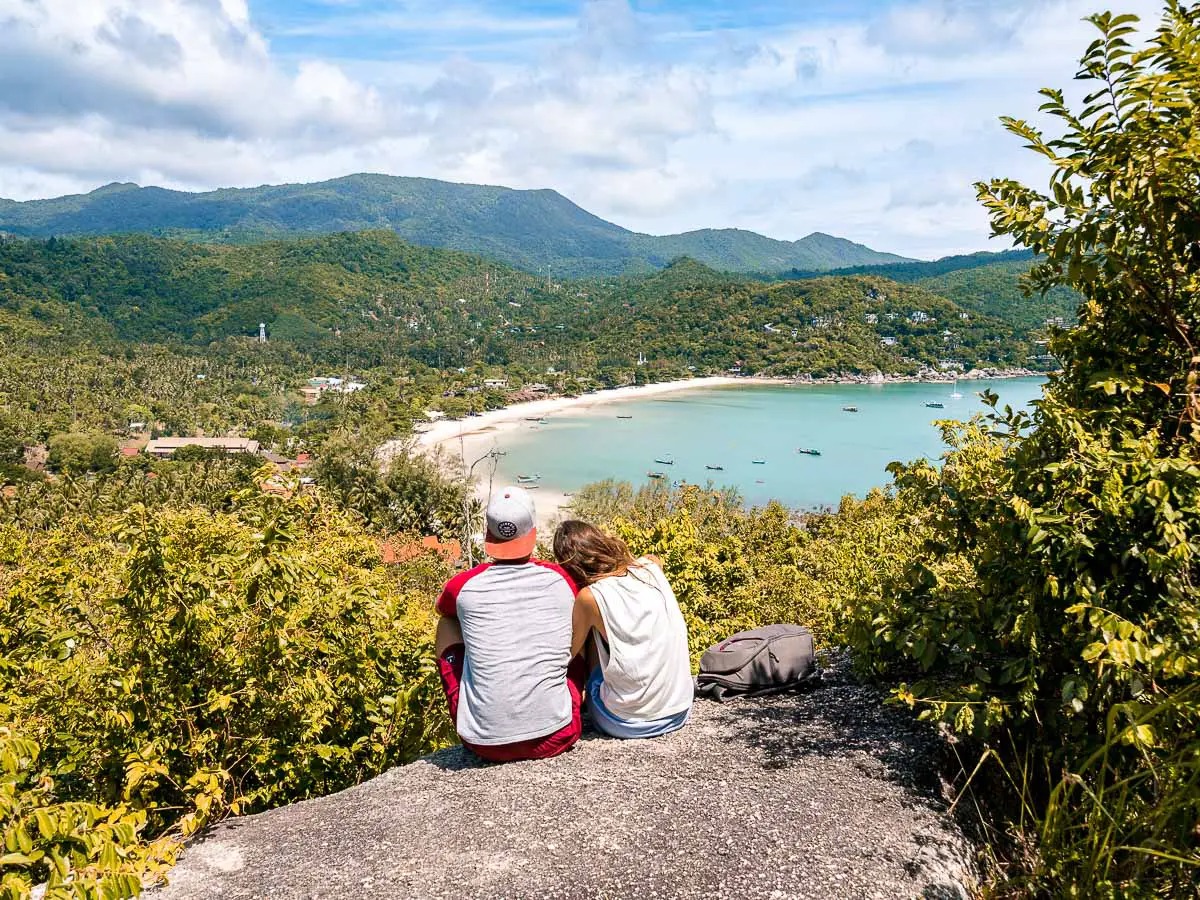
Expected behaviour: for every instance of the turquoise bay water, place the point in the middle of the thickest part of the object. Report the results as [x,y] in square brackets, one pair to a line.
[731,426]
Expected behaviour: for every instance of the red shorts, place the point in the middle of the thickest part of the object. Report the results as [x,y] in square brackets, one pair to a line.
[450,665]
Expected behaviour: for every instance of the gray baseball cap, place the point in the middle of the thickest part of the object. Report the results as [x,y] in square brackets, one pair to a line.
[511,524]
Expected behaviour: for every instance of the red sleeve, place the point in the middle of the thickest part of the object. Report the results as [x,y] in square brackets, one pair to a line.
[560,570]
[447,603]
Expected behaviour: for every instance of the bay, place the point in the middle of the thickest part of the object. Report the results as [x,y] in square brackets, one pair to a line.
[733,426]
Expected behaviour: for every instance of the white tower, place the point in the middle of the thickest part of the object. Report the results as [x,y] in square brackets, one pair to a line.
[262,332]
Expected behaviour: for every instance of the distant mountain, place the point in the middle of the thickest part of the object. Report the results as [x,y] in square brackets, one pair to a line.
[527,229]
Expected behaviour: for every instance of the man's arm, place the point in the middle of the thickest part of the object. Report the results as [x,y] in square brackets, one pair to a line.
[584,618]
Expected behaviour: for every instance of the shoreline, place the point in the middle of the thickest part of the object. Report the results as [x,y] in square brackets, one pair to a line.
[445,431]
[458,443]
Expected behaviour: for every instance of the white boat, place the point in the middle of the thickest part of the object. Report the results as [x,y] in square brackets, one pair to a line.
[956,395]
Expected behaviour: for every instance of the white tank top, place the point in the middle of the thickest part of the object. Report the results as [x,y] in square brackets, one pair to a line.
[647,671]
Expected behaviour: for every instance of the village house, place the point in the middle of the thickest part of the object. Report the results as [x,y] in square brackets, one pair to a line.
[312,391]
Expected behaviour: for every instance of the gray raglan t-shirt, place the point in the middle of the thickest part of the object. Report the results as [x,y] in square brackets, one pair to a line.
[516,624]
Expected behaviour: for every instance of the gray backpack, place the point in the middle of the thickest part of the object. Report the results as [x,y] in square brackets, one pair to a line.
[765,660]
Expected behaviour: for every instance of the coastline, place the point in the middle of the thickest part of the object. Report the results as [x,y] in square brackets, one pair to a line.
[449,431]
[458,444]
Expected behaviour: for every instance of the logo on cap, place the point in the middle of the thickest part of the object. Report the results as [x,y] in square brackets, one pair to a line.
[506,530]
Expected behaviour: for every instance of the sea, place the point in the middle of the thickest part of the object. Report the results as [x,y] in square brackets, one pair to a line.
[732,427]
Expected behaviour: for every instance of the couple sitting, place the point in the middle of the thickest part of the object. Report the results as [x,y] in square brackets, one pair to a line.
[513,640]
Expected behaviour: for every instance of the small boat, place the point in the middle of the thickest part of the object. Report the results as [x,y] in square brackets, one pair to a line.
[656,475]
[543,421]
[935,405]
[528,479]
[808,451]
[716,468]
[532,487]
[759,481]
[759,462]
[624,417]
[956,394]
[849,409]
[666,461]
[534,419]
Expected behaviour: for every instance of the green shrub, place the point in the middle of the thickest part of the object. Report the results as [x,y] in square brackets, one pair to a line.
[733,569]
[82,453]
[78,850]
[178,666]
[1052,610]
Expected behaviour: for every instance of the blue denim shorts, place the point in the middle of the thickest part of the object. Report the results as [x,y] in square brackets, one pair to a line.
[620,728]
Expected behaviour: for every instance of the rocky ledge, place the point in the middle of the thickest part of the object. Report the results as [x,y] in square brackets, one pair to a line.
[824,794]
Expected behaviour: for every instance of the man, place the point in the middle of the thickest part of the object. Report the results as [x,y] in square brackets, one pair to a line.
[504,644]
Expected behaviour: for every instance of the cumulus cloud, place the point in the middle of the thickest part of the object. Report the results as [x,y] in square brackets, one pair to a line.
[871,126]
[192,66]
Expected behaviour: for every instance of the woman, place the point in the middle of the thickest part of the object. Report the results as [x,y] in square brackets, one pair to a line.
[642,686]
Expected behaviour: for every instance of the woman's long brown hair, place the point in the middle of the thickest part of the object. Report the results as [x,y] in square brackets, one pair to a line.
[588,554]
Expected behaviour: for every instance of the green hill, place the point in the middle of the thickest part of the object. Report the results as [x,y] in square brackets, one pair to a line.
[995,290]
[985,283]
[388,299]
[527,229]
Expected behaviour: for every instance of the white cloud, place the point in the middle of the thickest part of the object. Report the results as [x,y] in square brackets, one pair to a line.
[872,128]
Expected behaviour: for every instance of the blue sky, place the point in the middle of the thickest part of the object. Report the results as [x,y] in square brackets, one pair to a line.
[868,119]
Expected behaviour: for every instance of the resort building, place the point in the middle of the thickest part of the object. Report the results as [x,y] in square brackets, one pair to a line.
[164,448]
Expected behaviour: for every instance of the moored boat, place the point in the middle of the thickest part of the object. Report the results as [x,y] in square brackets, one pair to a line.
[933,404]
[808,451]
[716,468]
[666,461]
[759,462]
[656,475]
[849,409]
[624,417]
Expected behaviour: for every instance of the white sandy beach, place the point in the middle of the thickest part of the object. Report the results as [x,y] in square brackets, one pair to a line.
[462,445]
[461,442]
[448,432]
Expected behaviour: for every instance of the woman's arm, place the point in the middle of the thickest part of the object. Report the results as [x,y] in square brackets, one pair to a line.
[585,617]
[448,634]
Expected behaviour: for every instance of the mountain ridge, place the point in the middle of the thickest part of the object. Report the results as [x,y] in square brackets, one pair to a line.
[530,229]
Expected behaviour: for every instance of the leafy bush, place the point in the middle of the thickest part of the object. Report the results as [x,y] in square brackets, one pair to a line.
[76,849]
[733,569]
[177,666]
[1052,610]
[82,452]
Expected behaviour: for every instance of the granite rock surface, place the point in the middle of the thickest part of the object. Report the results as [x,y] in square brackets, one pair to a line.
[822,794]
